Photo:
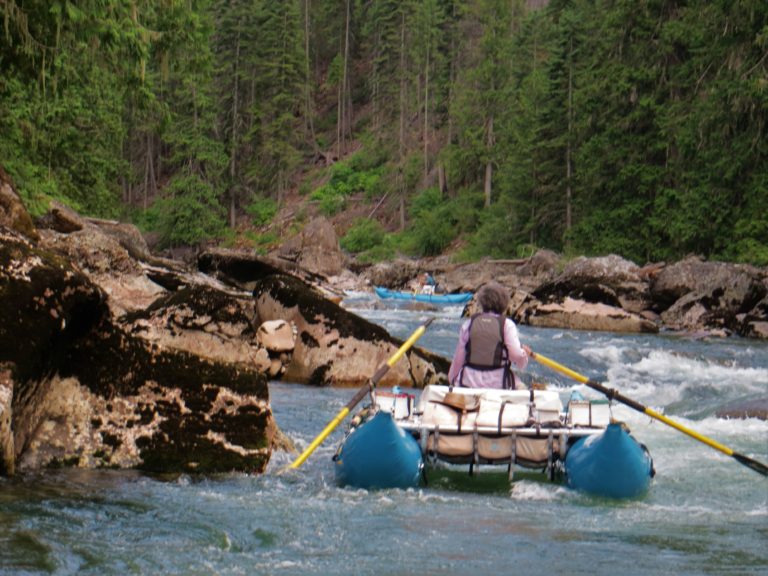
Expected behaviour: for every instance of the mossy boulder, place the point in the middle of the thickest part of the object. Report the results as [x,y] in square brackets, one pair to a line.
[335,346]
[84,390]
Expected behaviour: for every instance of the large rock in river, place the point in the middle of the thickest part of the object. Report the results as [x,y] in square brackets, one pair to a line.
[609,280]
[695,294]
[755,408]
[337,347]
[78,388]
[579,315]
[315,248]
[13,214]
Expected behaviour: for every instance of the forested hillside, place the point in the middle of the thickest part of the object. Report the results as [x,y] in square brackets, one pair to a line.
[636,127]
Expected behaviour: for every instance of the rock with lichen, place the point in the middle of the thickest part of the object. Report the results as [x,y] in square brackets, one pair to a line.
[110,358]
[86,391]
[337,347]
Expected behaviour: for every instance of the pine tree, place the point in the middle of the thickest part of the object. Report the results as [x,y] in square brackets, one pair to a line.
[190,210]
[278,79]
[66,68]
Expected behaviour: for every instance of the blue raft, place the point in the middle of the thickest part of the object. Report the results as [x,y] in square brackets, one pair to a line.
[381,454]
[459,298]
[378,454]
[611,464]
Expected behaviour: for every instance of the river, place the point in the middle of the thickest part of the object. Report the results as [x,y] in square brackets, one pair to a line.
[704,514]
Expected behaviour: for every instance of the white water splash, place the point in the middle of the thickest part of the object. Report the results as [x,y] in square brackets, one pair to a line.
[662,377]
[525,490]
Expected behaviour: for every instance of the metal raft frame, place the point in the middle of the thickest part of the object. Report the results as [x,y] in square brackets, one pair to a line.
[540,418]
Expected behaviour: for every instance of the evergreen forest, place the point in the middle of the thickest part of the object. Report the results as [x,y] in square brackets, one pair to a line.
[480,127]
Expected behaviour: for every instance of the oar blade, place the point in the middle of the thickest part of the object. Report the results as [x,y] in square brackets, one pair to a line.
[758,467]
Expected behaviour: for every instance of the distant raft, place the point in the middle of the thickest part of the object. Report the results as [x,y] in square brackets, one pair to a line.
[499,429]
[458,298]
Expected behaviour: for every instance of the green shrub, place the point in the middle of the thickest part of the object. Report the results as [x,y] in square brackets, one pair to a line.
[305,187]
[364,234]
[188,213]
[433,224]
[262,210]
[492,238]
[434,232]
[374,155]
[330,201]
[426,202]
[380,253]
[748,251]
[344,182]
[263,243]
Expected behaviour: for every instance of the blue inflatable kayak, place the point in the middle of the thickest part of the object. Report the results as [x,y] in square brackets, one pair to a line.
[459,298]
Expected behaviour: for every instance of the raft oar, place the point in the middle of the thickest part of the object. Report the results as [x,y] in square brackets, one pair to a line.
[614,395]
[370,385]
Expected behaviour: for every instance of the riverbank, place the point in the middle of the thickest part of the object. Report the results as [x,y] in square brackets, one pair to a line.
[607,293]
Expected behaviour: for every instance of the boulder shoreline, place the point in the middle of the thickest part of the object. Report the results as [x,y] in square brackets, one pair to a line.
[691,297]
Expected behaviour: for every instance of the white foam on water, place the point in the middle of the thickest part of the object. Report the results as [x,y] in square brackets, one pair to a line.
[426,496]
[526,490]
[759,511]
[609,355]
[663,377]
[665,364]
[691,511]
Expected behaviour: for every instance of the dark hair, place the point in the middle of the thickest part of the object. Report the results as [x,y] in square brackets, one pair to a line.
[493,297]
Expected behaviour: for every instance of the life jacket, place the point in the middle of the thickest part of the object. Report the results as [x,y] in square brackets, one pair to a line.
[485,348]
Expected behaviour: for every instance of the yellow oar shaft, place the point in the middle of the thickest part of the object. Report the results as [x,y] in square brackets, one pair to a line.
[636,405]
[559,368]
[408,343]
[322,436]
[360,394]
[691,433]
[613,394]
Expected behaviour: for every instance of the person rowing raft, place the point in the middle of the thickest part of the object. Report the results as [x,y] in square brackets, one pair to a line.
[489,345]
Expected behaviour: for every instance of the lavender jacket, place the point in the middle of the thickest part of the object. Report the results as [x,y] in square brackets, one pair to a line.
[485,378]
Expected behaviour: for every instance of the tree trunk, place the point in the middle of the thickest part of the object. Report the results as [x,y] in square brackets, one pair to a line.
[487,188]
[402,206]
[441,183]
[451,84]
[568,166]
[426,118]
[233,142]
[347,93]
[339,118]
[401,138]
[341,112]
[309,126]
[150,180]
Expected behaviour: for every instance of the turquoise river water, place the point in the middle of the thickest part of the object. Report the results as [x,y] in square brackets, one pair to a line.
[704,514]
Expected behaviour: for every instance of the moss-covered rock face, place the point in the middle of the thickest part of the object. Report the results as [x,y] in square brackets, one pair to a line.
[7,460]
[235,267]
[46,304]
[176,411]
[337,347]
[78,387]
[13,215]
[204,321]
